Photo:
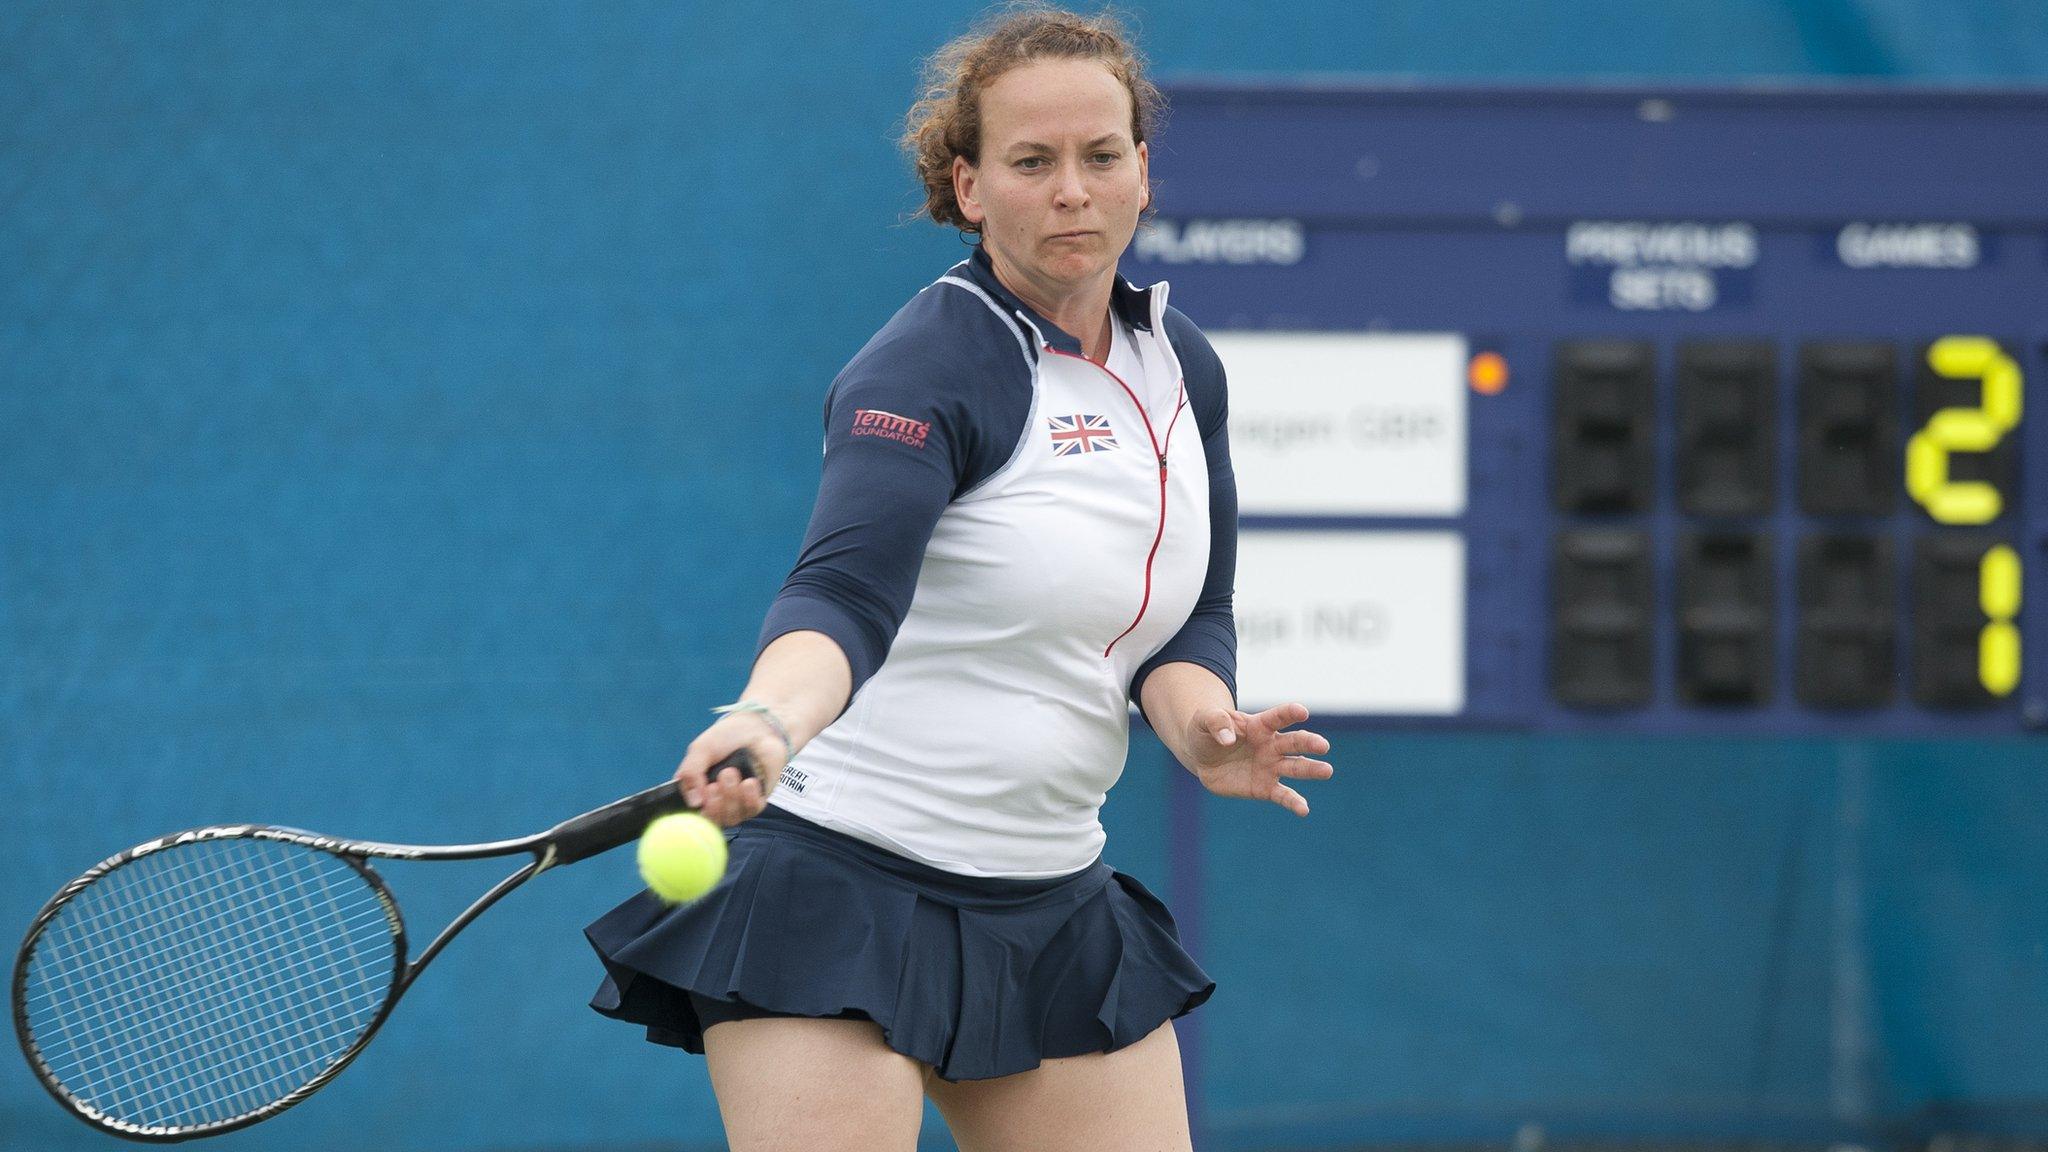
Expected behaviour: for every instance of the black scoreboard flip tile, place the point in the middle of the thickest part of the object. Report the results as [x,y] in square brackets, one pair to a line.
[1605,397]
[1848,448]
[1602,624]
[1846,622]
[1725,633]
[1727,427]
[1679,411]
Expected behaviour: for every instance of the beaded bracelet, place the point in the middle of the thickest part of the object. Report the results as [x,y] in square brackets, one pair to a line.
[762,710]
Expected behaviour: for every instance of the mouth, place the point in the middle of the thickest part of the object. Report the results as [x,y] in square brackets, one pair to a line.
[1077,234]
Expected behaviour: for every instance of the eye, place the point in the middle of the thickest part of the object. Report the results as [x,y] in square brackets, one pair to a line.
[1031,163]
[1106,158]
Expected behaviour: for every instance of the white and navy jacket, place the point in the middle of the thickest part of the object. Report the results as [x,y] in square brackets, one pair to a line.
[1008,539]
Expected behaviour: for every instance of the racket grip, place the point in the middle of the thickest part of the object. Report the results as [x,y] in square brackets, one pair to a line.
[622,821]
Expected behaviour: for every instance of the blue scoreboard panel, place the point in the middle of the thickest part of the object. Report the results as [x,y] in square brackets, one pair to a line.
[1614,410]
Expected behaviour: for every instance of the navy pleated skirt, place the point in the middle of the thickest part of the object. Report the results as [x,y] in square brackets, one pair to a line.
[976,977]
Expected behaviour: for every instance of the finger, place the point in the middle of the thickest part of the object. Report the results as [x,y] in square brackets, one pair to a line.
[728,811]
[1301,744]
[742,795]
[694,772]
[1303,768]
[1282,715]
[732,784]
[766,781]
[1288,798]
[690,775]
[723,809]
[736,796]
[1220,724]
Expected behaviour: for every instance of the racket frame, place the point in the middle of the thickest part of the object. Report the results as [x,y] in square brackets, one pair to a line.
[577,838]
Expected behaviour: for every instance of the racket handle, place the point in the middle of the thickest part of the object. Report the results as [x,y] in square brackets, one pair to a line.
[622,821]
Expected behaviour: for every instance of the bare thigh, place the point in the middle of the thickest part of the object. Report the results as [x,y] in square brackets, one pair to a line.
[1130,1100]
[792,1084]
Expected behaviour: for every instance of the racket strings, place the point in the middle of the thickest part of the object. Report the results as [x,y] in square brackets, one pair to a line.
[190,973]
[206,981]
[190,988]
[203,1003]
[192,968]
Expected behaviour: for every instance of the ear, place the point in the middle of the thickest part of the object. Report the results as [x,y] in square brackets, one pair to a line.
[966,177]
[1145,174]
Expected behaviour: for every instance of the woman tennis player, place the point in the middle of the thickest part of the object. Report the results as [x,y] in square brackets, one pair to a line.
[1026,521]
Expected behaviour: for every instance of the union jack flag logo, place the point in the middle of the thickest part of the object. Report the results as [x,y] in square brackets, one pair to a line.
[1073,435]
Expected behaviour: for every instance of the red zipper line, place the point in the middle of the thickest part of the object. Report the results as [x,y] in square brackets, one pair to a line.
[1159,533]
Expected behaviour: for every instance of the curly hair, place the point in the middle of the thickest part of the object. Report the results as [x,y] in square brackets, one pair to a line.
[946,120]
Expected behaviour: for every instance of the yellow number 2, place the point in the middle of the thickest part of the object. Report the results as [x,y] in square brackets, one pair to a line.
[1998,646]
[1976,429]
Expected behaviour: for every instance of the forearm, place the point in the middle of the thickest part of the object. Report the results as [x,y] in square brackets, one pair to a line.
[1172,696]
[803,678]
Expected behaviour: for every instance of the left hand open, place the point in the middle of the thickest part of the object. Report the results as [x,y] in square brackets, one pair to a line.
[1247,754]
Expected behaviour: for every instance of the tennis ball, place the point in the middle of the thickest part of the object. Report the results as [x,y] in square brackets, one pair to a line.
[682,855]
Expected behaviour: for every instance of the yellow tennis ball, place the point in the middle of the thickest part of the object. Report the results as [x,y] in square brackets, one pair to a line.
[682,855]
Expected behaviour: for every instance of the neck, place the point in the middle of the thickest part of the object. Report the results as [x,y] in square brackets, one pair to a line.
[1082,312]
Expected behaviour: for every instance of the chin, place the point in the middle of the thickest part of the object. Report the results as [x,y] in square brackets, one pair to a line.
[1077,267]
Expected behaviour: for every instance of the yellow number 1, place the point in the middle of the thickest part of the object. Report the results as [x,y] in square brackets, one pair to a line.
[1976,429]
[1998,646]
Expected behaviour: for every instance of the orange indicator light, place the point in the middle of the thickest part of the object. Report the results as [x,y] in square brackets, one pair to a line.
[1488,374]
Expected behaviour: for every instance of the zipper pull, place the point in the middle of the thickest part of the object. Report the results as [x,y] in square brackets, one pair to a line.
[1162,467]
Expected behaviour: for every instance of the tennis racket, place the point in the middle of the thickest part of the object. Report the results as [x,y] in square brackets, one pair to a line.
[203,981]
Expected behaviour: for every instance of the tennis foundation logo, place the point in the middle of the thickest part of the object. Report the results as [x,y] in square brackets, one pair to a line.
[890,426]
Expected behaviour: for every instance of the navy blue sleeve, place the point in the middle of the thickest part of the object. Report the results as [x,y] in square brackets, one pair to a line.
[932,406]
[1209,638]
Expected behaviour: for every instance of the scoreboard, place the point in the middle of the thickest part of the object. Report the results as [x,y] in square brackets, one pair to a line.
[1627,410]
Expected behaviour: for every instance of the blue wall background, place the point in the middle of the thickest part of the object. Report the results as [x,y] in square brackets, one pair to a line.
[406,414]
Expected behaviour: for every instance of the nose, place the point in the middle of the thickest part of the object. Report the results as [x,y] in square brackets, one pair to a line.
[1070,191]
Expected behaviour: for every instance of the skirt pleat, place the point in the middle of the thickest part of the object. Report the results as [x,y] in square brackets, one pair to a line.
[976,977]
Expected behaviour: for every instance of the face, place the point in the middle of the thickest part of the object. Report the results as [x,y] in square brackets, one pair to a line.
[1060,183]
